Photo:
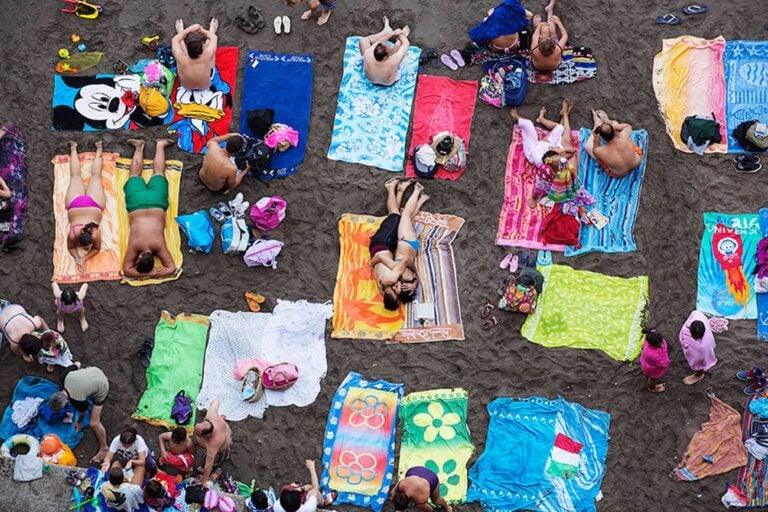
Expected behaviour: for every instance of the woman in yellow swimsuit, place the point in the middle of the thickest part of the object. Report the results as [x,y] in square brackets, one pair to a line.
[84,207]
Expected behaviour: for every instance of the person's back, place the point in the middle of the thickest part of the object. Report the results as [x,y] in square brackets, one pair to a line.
[196,55]
[217,169]
[619,155]
[546,56]
[120,495]
[147,228]
[380,72]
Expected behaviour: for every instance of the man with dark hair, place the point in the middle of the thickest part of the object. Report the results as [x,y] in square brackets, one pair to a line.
[219,171]
[381,61]
[296,497]
[176,451]
[119,494]
[194,49]
[146,203]
[215,437]
[619,155]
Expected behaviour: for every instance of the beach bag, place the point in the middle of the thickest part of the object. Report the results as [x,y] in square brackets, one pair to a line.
[199,230]
[740,134]
[515,82]
[280,376]
[757,136]
[263,253]
[260,121]
[701,130]
[195,494]
[518,293]
[268,212]
[181,412]
[560,228]
[234,235]
[458,162]
[491,90]
[252,379]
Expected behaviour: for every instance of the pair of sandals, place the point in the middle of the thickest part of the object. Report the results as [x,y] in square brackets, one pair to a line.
[235,208]
[453,60]
[145,352]
[254,300]
[748,163]
[253,23]
[690,10]
[491,321]
[428,56]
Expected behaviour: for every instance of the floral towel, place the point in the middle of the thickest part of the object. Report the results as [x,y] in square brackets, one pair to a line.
[372,121]
[359,446]
[435,435]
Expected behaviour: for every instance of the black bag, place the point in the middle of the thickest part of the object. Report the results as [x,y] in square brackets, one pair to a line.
[195,494]
[700,130]
[740,134]
[259,121]
[255,154]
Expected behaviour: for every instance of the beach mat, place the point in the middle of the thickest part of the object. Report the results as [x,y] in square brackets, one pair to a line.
[199,116]
[38,387]
[688,79]
[435,435]
[359,441]
[746,83]
[727,260]
[173,170]
[762,298]
[581,309]
[617,198]
[294,332]
[176,365]
[105,265]
[13,170]
[281,82]
[753,477]
[520,225]
[541,454]
[574,67]
[720,438]
[359,311]
[87,104]
[372,121]
[441,104]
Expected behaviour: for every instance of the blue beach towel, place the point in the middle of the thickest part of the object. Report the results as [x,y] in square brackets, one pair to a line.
[283,83]
[372,121]
[617,198]
[522,475]
[38,387]
[746,85]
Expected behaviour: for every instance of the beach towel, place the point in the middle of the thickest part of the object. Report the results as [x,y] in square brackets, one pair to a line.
[372,121]
[718,438]
[762,298]
[38,387]
[281,82]
[359,446]
[581,309]
[173,170]
[727,259]
[616,198]
[105,265]
[746,84]
[13,170]
[100,102]
[359,311]
[176,365]
[574,67]
[200,115]
[507,18]
[435,435]
[753,477]
[441,104]
[530,442]
[294,332]
[688,79]
[520,225]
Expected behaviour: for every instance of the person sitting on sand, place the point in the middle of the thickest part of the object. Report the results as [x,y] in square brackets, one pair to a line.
[215,437]
[619,156]
[47,347]
[500,30]
[219,172]
[85,207]
[381,61]
[296,497]
[119,494]
[419,486]
[698,344]
[16,322]
[546,46]
[69,302]
[146,204]
[314,6]
[194,49]
[129,451]
[176,451]
[80,387]
[394,246]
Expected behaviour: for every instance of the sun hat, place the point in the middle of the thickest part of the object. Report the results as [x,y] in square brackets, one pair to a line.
[445,145]
[424,161]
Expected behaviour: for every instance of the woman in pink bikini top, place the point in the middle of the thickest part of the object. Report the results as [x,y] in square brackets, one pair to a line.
[84,207]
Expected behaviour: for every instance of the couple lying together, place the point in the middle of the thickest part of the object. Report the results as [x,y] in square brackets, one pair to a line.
[395,245]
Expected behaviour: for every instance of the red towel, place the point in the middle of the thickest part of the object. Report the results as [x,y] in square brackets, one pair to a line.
[441,104]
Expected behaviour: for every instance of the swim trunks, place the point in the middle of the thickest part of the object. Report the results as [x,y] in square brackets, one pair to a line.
[613,174]
[328,5]
[385,239]
[143,196]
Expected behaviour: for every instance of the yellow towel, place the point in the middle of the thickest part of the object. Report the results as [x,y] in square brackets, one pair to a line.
[173,170]
[105,266]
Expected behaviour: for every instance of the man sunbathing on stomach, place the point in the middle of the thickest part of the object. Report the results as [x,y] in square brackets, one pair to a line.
[619,156]
[146,204]
[381,61]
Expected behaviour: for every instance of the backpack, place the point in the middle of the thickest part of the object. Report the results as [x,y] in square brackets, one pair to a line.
[268,212]
[505,82]
[519,292]
[757,136]
[280,376]
[263,253]
[701,130]
[740,134]
[515,82]
[256,155]
[181,412]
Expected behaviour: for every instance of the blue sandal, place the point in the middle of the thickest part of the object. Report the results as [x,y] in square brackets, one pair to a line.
[668,19]
[544,258]
[695,9]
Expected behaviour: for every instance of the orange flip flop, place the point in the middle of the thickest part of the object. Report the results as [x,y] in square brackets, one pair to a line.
[254,301]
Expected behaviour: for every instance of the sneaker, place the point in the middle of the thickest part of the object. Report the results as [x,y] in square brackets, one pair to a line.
[756,386]
[750,374]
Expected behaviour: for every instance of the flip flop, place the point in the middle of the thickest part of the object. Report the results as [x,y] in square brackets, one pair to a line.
[278,24]
[514,264]
[456,54]
[246,25]
[746,158]
[749,167]
[505,262]
[286,25]
[527,258]
[254,301]
[668,19]
[490,323]
[487,309]
[695,9]
[544,258]
[256,17]
[448,61]
[217,215]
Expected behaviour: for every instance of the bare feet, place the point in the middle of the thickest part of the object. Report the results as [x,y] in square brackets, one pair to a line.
[423,198]
[98,459]
[83,324]
[542,115]
[324,17]
[514,115]
[386,23]
[49,368]
[3,131]
[214,25]
[391,182]
[537,20]
[566,108]
[162,143]
[658,388]
[402,185]
[78,364]
[418,187]
[307,14]
[99,146]
[179,26]
[72,145]
[60,325]
[693,379]
[406,31]
[137,143]
[550,7]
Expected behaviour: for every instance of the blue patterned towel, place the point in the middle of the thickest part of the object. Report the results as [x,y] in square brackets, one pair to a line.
[617,198]
[372,121]
[746,85]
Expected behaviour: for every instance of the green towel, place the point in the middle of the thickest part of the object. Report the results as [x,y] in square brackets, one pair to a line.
[435,435]
[177,363]
[581,309]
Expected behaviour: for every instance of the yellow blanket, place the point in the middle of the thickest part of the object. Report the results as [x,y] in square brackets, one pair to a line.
[173,170]
[105,265]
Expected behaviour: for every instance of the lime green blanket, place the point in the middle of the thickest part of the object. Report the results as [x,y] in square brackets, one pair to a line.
[435,435]
[177,363]
[581,309]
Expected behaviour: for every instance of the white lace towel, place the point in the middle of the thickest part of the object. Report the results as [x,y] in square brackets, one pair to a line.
[25,411]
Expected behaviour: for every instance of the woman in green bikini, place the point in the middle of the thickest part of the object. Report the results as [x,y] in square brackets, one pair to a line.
[84,207]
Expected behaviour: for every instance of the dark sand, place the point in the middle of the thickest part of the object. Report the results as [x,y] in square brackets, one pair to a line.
[648,432]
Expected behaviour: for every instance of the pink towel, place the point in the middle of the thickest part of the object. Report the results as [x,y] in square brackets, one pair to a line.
[243,365]
[700,354]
